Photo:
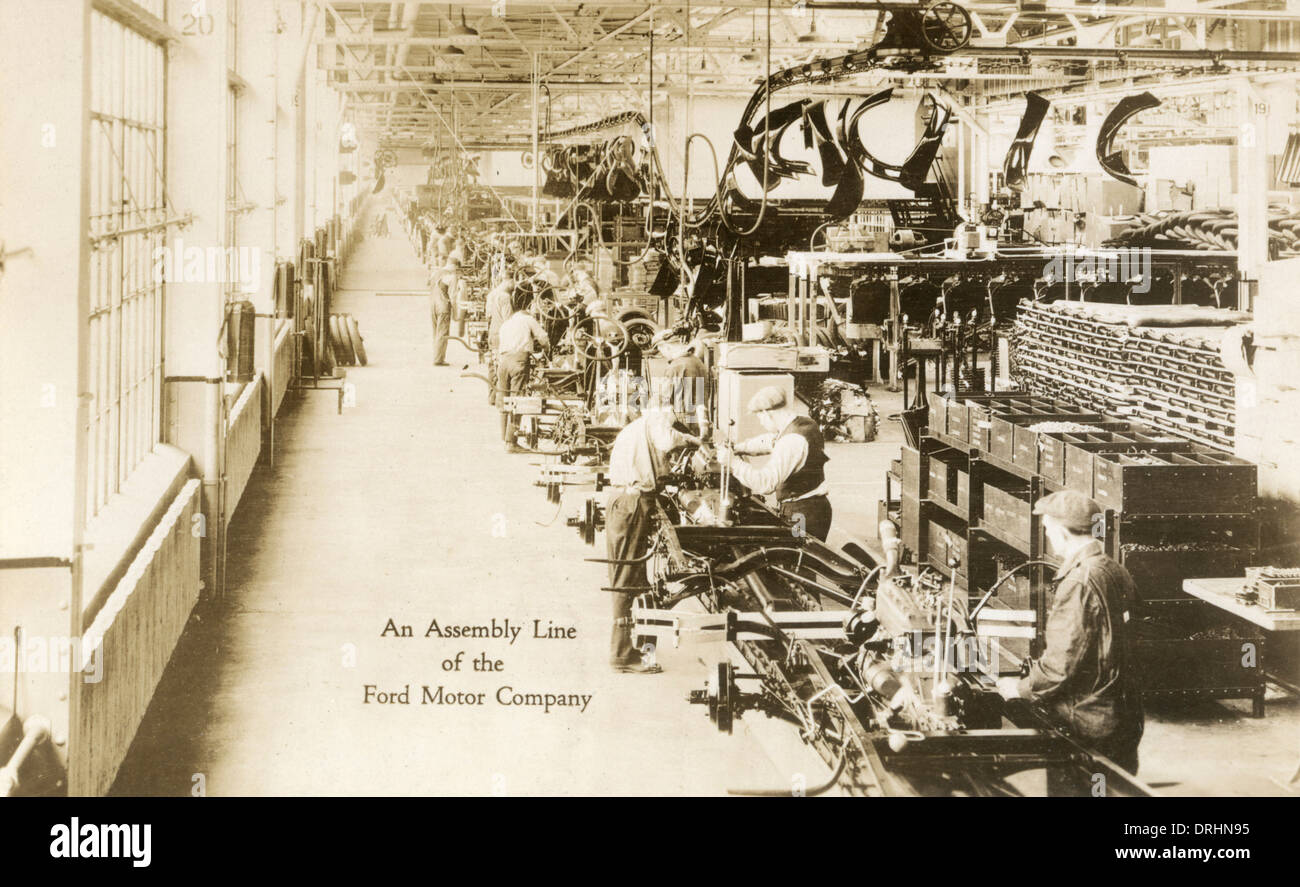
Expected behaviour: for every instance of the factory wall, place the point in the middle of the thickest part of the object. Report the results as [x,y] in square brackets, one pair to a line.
[124,540]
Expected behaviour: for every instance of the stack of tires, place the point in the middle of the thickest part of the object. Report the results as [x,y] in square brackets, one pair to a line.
[345,339]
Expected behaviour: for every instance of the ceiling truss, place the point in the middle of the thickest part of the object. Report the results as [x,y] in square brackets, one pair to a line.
[406,68]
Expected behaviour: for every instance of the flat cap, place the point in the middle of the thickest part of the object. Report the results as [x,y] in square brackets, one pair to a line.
[769,398]
[1072,508]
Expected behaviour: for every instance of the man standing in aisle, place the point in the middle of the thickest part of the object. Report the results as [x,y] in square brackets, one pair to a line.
[520,334]
[445,285]
[794,473]
[637,461]
[1085,677]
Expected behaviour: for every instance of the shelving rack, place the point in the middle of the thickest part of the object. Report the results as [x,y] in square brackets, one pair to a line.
[965,505]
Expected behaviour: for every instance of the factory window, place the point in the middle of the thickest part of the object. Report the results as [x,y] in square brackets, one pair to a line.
[128,222]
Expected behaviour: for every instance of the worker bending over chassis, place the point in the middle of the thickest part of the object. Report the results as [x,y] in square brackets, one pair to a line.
[1084,677]
[519,335]
[499,308]
[794,474]
[637,461]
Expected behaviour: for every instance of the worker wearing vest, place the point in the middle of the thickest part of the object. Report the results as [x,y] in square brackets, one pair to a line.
[794,474]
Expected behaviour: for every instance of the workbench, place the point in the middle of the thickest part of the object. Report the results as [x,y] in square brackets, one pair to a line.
[1222,593]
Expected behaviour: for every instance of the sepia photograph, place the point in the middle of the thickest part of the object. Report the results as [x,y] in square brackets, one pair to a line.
[517,399]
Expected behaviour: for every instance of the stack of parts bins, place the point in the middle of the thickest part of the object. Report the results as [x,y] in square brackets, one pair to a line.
[1161,365]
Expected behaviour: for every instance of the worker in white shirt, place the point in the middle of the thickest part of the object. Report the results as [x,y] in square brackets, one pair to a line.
[520,334]
[497,308]
[443,244]
[794,474]
[583,286]
[636,463]
[446,285]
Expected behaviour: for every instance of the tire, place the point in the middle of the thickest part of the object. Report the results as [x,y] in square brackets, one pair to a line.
[640,330]
[354,335]
[629,313]
[338,326]
[334,340]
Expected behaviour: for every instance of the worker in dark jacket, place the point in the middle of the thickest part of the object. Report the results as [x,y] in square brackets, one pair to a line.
[795,472]
[1085,678]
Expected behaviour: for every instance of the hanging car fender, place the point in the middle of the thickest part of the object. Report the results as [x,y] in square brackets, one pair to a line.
[1016,162]
[917,166]
[1112,161]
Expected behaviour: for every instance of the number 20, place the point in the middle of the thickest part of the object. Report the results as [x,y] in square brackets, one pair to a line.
[195,25]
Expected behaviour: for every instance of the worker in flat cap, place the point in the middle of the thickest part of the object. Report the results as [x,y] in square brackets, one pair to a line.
[795,473]
[1085,676]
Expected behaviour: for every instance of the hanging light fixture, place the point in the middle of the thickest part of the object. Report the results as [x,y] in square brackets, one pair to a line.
[812,36]
[450,49]
[752,54]
[463,29]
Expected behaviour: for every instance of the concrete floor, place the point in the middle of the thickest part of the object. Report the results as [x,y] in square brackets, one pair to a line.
[406,507]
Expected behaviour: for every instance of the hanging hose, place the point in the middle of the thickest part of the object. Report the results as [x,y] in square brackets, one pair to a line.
[786,793]
[767,129]
[996,585]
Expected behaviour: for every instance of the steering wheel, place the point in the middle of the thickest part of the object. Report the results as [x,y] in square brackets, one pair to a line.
[552,311]
[600,339]
[945,26]
[825,244]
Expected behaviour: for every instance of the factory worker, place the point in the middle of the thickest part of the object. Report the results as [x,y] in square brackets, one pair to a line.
[498,310]
[1085,677]
[443,244]
[685,361]
[637,461]
[446,284]
[584,286]
[541,270]
[519,335]
[794,473]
